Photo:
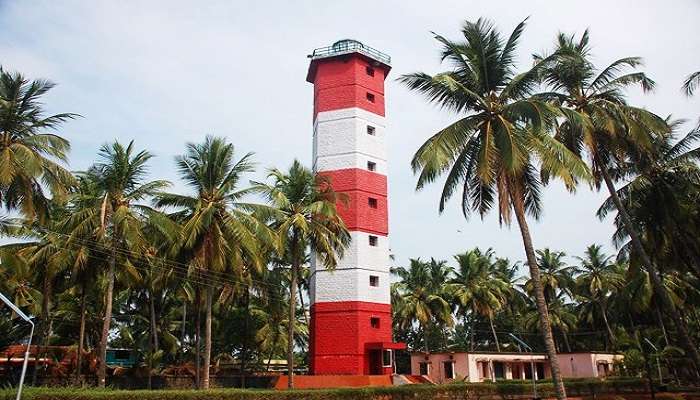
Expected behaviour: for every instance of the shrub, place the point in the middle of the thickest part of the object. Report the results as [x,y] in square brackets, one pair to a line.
[469,391]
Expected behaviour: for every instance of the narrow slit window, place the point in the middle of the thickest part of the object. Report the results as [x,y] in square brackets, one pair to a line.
[371,166]
[370,97]
[369,71]
[374,280]
[372,202]
[373,241]
[374,322]
[371,130]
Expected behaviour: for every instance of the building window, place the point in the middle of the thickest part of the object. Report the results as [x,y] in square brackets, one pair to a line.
[386,358]
[373,280]
[449,369]
[499,370]
[371,130]
[374,322]
[372,202]
[369,70]
[371,166]
[423,368]
[370,97]
[373,240]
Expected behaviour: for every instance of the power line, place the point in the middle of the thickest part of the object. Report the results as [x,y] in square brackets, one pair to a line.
[216,276]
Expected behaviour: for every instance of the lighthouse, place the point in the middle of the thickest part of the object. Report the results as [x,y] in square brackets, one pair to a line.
[351,330]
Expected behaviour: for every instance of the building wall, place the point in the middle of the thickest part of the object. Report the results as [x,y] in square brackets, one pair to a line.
[577,365]
[573,365]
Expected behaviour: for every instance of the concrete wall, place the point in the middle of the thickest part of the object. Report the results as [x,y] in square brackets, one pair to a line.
[573,365]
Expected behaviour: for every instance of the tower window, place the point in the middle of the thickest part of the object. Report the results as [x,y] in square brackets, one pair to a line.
[373,240]
[371,130]
[372,202]
[374,280]
[371,166]
[370,97]
[369,70]
[374,322]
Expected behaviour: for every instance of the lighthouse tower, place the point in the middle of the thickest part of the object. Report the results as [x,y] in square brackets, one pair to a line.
[351,332]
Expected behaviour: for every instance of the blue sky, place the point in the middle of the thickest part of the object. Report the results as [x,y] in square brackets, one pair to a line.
[164,73]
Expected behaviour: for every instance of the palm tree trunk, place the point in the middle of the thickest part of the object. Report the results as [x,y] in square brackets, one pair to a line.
[246,324]
[666,301]
[495,337]
[566,340]
[272,353]
[611,336]
[207,338]
[661,323]
[154,333]
[425,338]
[183,328]
[292,318]
[154,325]
[197,339]
[149,363]
[45,325]
[303,307]
[545,326]
[81,336]
[471,334]
[104,337]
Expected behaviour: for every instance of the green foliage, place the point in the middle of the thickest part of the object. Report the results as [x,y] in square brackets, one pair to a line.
[578,387]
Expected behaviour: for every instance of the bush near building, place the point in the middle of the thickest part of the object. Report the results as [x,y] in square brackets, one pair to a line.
[585,388]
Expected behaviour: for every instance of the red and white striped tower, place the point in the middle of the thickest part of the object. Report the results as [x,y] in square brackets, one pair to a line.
[351,331]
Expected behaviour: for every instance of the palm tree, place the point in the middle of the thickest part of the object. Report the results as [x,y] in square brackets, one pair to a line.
[491,151]
[672,178]
[304,215]
[598,278]
[17,280]
[83,247]
[218,231]
[271,307]
[49,259]
[600,121]
[477,286]
[113,219]
[691,83]
[556,276]
[561,314]
[416,299]
[30,158]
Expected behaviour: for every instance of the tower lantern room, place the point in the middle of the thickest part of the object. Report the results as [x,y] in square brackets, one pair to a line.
[351,330]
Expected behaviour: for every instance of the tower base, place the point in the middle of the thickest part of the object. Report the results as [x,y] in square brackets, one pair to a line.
[351,338]
[334,381]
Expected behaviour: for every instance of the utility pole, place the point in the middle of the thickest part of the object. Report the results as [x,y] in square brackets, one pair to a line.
[658,362]
[29,343]
[533,373]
